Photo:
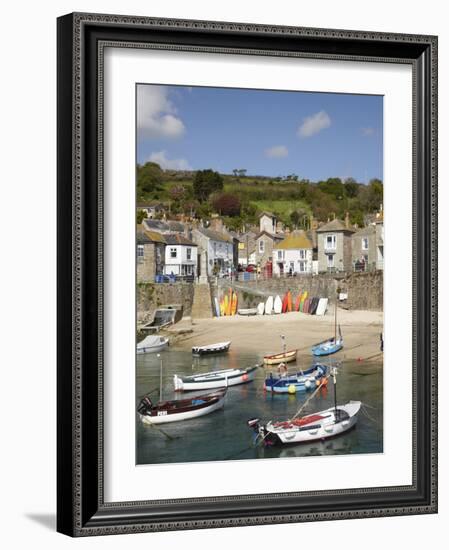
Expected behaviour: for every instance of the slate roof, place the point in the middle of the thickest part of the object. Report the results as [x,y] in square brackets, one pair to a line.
[366,231]
[215,235]
[271,235]
[335,225]
[176,238]
[155,225]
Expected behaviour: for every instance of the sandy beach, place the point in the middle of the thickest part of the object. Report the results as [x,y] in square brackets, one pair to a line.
[261,333]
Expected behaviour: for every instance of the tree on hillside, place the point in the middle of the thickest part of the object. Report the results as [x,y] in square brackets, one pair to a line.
[149,179]
[140,216]
[227,204]
[351,187]
[332,186]
[205,183]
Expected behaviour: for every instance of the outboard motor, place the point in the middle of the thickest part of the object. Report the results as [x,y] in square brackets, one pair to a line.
[254,424]
[145,405]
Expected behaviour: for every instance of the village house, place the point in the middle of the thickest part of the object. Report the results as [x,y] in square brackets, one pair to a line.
[379,224]
[247,248]
[335,246]
[180,256]
[364,249]
[265,242]
[293,255]
[152,210]
[150,255]
[216,251]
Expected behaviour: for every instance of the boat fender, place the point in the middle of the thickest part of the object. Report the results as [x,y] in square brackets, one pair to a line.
[307,384]
[292,389]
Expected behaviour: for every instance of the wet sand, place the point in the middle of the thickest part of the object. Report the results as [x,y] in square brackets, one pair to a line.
[261,333]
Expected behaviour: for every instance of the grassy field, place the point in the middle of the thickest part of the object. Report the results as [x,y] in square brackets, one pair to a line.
[282,208]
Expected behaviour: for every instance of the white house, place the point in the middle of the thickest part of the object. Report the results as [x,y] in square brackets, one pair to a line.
[293,255]
[181,258]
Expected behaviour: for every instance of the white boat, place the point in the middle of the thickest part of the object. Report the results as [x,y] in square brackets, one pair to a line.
[217,307]
[316,426]
[248,311]
[277,306]
[215,379]
[152,344]
[269,306]
[322,306]
[180,409]
[261,308]
[220,347]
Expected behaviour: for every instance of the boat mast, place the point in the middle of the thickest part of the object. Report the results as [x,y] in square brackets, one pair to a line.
[334,376]
[335,320]
[160,377]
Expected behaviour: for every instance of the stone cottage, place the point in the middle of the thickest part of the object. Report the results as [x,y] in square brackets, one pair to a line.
[293,255]
[150,254]
[364,249]
[335,247]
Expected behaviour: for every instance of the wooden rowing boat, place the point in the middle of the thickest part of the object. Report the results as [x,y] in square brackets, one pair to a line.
[180,409]
[220,347]
[277,358]
[214,379]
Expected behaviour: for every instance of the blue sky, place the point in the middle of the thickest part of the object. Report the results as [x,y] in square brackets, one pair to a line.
[270,133]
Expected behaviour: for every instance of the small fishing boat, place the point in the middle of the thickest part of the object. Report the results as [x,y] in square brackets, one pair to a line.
[318,426]
[296,382]
[312,427]
[248,311]
[328,347]
[220,347]
[277,358]
[215,379]
[180,409]
[152,344]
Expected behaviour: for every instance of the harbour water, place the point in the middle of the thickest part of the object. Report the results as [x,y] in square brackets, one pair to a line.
[224,434]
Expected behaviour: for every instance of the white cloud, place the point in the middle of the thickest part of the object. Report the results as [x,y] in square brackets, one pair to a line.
[367,132]
[276,152]
[313,124]
[156,114]
[160,157]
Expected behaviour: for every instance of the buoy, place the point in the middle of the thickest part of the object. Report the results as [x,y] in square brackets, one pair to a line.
[318,382]
[292,388]
[359,359]
[307,383]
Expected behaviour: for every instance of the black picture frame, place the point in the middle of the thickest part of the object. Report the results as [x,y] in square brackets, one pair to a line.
[81,510]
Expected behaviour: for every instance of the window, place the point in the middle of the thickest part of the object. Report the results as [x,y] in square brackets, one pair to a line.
[302,267]
[140,251]
[331,242]
[173,253]
[189,253]
[302,254]
[364,243]
[280,254]
[261,247]
[330,260]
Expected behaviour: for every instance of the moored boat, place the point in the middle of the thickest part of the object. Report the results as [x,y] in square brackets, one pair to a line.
[296,382]
[180,409]
[317,426]
[277,358]
[220,347]
[214,379]
[152,344]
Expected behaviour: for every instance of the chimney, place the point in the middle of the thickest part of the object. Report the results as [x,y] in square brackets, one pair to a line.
[347,220]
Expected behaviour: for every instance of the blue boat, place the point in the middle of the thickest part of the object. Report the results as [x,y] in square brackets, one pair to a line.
[328,347]
[296,382]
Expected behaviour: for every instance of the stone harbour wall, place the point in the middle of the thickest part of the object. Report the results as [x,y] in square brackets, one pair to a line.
[151,296]
[364,290]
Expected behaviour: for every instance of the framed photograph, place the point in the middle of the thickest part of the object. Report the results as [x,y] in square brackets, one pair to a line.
[247,274]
